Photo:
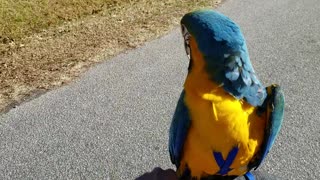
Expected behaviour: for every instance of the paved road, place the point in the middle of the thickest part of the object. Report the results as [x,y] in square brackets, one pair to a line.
[112,123]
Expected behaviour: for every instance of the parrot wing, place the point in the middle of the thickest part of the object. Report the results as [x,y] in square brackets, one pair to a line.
[274,107]
[178,131]
[240,80]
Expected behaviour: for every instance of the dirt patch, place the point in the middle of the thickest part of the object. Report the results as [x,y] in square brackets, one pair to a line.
[57,55]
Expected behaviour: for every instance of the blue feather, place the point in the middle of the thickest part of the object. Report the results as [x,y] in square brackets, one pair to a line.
[233,75]
[255,94]
[231,63]
[274,107]
[178,130]
[249,176]
[238,60]
[254,78]
[246,77]
[239,86]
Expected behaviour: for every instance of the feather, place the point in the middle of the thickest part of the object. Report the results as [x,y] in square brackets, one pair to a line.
[246,77]
[238,60]
[233,75]
[178,130]
[254,78]
[274,107]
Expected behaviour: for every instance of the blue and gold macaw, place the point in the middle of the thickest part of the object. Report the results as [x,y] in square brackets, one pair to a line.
[225,121]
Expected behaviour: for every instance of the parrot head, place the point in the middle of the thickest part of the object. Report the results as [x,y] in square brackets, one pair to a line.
[220,44]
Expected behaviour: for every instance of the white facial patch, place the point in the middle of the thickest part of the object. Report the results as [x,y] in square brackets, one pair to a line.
[186,36]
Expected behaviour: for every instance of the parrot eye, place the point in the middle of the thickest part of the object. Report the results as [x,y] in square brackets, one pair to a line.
[186,36]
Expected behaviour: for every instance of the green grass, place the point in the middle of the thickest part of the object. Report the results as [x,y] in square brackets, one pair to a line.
[19,18]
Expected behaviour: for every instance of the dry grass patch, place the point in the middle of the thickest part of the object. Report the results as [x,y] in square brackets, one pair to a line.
[56,55]
[20,18]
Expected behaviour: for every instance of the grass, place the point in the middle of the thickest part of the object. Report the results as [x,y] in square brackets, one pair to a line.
[21,18]
[46,44]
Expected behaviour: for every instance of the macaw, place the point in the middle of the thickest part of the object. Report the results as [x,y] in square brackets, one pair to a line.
[225,121]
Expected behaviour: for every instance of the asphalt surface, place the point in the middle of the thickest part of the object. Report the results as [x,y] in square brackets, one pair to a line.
[113,122]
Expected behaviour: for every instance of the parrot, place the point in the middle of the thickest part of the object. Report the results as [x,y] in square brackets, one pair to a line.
[225,121]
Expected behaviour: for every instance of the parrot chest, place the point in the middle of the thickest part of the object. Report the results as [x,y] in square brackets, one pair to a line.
[221,128]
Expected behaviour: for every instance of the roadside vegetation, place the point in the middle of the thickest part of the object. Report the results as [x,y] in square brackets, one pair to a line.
[47,43]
